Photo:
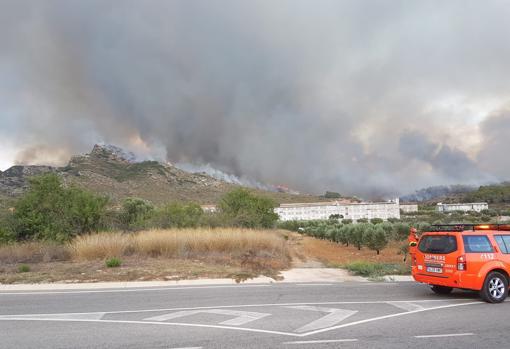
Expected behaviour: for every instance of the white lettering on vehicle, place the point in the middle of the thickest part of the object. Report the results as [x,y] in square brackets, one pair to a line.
[487,256]
[432,257]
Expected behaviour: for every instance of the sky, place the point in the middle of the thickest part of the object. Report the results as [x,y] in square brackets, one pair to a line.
[363,97]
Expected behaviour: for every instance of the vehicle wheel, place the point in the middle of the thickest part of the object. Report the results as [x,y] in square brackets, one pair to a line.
[441,289]
[495,288]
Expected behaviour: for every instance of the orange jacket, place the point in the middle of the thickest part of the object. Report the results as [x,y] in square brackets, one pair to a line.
[413,240]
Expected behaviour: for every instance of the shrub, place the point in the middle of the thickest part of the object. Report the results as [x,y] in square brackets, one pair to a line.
[51,212]
[6,234]
[113,262]
[346,221]
[177,215]
[242,208]
[135,214]
[374,270]
[376,221]
[24,268]
[332,195]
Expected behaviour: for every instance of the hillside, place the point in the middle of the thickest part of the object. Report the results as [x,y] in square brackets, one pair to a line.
[108,172]
[498,194]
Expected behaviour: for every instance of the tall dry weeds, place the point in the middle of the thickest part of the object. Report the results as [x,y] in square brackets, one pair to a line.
[100,246]
[181,243]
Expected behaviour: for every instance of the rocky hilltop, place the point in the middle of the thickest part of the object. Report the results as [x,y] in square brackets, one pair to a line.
[107,170]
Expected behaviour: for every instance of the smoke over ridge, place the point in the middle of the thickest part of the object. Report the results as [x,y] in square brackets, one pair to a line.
[361,97]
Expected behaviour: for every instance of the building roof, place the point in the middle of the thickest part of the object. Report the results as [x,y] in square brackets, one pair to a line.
[334,203]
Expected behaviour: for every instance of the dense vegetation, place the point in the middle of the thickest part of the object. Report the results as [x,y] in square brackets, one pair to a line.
[493,194]
[51,211]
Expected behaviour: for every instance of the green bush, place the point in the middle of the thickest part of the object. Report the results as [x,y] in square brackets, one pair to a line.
[113,262]
[51,212]
[177,215]
[242,208]
[376,221]
[374,270]
[24,268]
[135,214]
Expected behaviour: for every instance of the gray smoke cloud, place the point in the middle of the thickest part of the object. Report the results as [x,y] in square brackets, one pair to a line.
[363,97]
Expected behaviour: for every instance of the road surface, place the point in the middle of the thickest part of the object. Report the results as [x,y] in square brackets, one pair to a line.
[326,315]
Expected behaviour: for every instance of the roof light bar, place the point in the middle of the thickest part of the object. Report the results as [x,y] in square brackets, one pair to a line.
[469,226]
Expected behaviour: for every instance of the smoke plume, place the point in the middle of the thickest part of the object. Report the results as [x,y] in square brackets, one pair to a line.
[362,97]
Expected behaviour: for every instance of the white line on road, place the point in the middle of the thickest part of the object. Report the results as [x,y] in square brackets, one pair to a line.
[389,317]
[38,317]
[252,306]
[323,341]
[445,335]
[334,316]
[314,284]
[129,290]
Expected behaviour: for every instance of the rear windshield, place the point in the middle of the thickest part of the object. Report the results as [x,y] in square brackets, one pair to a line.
[438,244]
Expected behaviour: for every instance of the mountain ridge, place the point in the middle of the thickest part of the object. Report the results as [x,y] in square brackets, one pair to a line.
[107,170]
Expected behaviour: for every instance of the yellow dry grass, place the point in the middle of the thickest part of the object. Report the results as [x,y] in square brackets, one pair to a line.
[180,243]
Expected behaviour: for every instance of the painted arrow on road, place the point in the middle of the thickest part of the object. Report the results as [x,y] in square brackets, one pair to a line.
[241,317]
[334,317]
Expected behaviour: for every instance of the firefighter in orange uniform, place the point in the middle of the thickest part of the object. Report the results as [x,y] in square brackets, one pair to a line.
[413,241]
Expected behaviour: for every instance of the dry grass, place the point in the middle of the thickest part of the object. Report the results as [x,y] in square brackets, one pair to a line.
[100,246]
[180,243]
[151,255]
[333,254]
[33,252]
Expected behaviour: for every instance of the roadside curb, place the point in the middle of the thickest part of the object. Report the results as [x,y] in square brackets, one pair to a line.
[398,278]
[295,275]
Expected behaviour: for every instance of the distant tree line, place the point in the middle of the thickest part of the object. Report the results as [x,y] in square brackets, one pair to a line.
[374,235]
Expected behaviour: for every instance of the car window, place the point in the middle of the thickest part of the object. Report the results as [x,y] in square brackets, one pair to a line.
[477,243]
[503,242]
[437,244]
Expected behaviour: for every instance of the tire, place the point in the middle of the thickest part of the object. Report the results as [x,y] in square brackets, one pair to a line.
[495,288]
[441,289]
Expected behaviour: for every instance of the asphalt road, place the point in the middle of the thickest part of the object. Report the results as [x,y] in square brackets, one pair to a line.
[336,315]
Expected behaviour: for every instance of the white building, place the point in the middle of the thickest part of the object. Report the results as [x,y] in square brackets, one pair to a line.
[354,211]
[410,208]
[465,207]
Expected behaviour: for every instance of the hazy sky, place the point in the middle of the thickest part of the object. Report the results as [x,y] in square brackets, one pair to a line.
[363,97]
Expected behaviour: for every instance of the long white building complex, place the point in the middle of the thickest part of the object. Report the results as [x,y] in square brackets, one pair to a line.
[465,207]
[354,211]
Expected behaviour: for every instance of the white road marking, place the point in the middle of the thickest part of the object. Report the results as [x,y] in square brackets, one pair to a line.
[390,316]
[63,316]
[323,341]
[156,323]
[335,316]
[408,306]
[254,306]
[129,290]
[40,317]
[241,317]
[445,335]
[314,284]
